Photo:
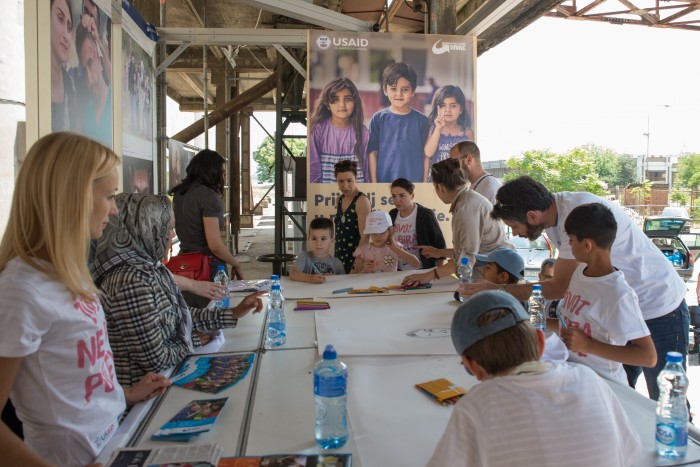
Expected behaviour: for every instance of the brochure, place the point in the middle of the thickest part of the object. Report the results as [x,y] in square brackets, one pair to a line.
[197,417]
[212,374]
[201,455]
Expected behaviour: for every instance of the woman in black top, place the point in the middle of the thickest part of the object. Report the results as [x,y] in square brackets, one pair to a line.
[415,226]
[199,212]
[352,209]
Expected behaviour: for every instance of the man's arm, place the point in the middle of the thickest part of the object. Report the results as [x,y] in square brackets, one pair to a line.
[552,290]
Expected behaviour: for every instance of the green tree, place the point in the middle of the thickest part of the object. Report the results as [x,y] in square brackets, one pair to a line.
[264,156]
[689,171]
[679,196]
[614,169]
[572,171]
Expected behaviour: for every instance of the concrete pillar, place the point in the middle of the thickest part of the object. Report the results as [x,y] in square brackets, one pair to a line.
[246,187]
[13,103]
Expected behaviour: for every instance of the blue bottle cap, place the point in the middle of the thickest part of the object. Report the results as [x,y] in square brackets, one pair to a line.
[537,287]
[464,261]
[329,353]
[221,268]
[674,357]
[274,277]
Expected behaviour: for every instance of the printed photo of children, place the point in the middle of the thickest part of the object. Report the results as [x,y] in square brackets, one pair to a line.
[337,132]
[397,133]
[450,124]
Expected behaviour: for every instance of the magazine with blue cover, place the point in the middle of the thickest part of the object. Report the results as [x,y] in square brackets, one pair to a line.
[212,374]
[197,417]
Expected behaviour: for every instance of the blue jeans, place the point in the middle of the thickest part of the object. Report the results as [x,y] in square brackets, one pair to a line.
[670,334]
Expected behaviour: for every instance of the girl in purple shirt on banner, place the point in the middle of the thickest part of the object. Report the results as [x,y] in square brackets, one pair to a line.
[450,123]
[337,132]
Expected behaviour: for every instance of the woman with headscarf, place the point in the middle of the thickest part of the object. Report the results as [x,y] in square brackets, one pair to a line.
[149,323]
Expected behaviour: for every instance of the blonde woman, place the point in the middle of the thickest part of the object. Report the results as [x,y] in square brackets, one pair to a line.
[55,360]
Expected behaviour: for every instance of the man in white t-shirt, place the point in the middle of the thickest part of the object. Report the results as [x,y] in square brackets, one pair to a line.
[562,414]
[528,208]
[481,181]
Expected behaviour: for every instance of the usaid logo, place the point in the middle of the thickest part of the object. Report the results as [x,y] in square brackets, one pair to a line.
[446,47]
[323,42]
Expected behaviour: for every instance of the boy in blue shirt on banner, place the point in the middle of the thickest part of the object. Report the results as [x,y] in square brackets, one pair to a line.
[397,134]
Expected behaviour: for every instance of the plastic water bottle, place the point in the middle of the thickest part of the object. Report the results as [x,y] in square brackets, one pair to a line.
[222,278]
[276,322]
[538,318]
[465,271]
[330,394]
[275,280]
[672,411]
[465,274]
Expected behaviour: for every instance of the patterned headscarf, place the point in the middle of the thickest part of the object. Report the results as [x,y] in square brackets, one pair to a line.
[139,236]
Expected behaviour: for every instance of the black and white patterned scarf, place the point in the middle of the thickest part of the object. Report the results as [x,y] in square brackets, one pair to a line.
[139,236]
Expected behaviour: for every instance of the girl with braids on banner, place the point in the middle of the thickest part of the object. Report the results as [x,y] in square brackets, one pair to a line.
[338,132]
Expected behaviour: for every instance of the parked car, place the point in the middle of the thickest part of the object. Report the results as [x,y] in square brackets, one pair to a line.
[692,241]
[533,252]
[665,232]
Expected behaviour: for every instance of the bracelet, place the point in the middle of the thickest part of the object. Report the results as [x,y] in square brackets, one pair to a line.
[502,287]
[436,274]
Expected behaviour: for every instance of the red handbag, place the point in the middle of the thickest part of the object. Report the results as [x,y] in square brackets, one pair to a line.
[194,265]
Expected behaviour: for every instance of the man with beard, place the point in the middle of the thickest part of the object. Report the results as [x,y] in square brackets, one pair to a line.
[470,158]
[529,208]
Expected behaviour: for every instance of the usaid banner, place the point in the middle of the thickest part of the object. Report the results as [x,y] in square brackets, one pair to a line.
[395,104]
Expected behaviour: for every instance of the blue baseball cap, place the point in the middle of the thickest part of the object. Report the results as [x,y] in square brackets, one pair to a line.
[506,258]
[465,330]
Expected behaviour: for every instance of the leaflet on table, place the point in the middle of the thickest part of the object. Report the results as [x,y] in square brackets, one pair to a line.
[197,417]
[201,455]
[212,374]
[308,460]
[249,285]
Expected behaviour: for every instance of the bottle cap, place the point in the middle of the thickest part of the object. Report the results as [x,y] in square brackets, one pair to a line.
[274,277]
[329,353]
[275,287]
[464,261]
[674,357]
[537,287]
[221,268]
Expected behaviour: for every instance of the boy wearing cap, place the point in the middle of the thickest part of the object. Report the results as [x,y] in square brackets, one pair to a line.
[382,253]
[605,327]
[503,266]
[563,413]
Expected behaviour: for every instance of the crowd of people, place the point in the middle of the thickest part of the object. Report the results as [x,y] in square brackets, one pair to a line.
[126,318]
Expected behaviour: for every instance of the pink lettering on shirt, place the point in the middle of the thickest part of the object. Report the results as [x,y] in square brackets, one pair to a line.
[89,309]
[97,354]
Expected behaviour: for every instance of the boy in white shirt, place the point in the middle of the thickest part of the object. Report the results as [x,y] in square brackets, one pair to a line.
[600,309]
[563,413]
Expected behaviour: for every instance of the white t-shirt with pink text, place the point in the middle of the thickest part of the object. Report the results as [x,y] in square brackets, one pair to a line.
[606,309]
[405,233]
[66,392]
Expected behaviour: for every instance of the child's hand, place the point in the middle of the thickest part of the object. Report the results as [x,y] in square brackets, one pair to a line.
[368,266]
[317,279]
[440,119]
[576,340]
[391,243]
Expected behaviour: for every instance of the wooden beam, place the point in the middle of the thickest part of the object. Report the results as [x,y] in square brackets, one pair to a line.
[229,108]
